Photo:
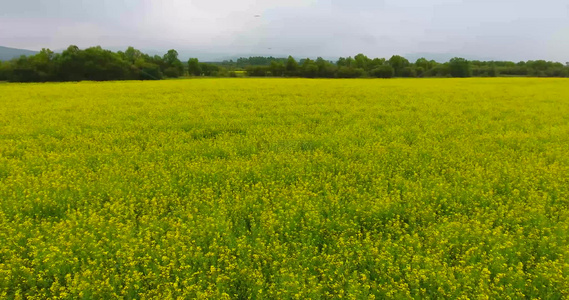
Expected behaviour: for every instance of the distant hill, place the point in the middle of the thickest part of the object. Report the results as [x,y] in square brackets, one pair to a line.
[9,53]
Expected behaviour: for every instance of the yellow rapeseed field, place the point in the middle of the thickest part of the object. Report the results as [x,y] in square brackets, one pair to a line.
[285,188]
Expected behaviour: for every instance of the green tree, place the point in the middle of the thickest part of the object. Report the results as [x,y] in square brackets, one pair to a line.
[146,70]
[174,67]
[493,72]
[459,67]
[345,62]
[291,66]
[132,55]
[376,62]
[325,68]
[309,68]
[194,67]
[350,62]
[70,65]
[171,57]
[44,64]
[209,69]
[398,63]
[277,68]
[4,71]
[423,63]
[361,61]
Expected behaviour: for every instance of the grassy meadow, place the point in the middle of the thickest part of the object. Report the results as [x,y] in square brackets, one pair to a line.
[285,189]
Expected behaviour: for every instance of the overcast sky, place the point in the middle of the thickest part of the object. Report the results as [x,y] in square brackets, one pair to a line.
[495,29]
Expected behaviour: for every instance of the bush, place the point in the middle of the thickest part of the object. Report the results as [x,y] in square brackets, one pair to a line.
[257,71]
[348,72]
[408,72]
[557,72]
[420,71]
[172,72]
[384,71]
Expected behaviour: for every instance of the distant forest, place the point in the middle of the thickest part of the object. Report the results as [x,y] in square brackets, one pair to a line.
[98,64]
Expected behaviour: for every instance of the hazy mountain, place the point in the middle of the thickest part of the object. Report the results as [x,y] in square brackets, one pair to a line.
[9,53]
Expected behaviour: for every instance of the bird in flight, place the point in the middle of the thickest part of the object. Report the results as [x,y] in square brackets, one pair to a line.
[257,16]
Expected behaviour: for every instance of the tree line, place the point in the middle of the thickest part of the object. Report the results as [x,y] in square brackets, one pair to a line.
[398,66]
[98,64]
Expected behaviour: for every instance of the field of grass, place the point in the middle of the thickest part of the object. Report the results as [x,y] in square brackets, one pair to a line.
[285,188]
